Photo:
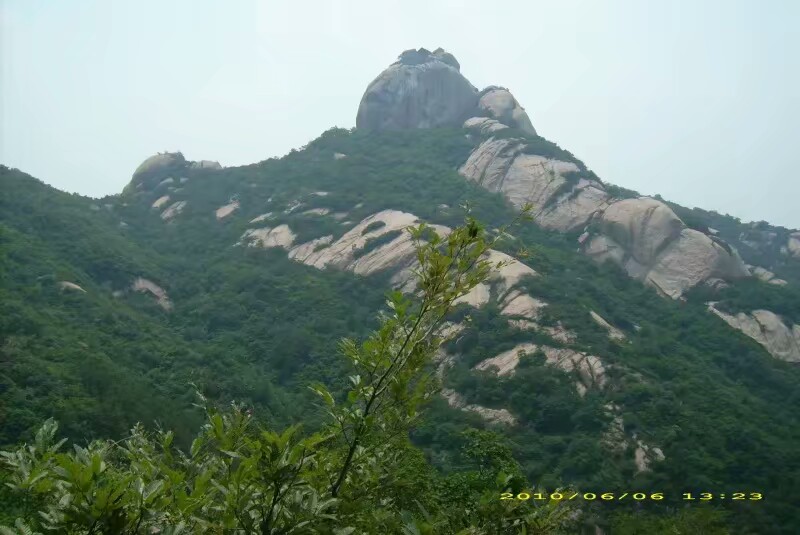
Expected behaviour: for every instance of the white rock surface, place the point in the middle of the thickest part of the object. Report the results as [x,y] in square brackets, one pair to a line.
[499,165]
[262,217]
[143,285]
[613,332]
[477,297]
[224,211]
[67,285]
[768,329]
[484,125]
[159,161]
[652,244]
[502,105]
[161,201]
[173,210]
[398,253]
[304,250]
[496,416]
[766,275]
[280,236]
[590,370]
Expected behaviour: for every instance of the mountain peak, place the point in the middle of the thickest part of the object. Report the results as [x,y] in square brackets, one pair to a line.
[425,89]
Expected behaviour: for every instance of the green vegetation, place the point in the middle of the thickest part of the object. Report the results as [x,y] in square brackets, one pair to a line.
[253,326]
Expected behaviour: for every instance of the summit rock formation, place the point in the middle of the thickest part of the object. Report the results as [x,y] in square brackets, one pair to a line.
[642,235]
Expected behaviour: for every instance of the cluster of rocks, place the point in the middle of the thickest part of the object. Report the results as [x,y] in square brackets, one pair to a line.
[644,236]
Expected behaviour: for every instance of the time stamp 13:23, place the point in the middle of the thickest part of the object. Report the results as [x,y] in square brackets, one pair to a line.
[632,496]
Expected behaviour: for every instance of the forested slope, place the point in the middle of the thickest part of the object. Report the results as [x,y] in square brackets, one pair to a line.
[252,325]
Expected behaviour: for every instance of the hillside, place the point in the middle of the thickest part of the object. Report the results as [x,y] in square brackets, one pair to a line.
[241,280]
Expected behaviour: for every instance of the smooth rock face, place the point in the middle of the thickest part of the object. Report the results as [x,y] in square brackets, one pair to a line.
[766,275]
[484,125]
[502,105]
[399,253]
[147,286]
[157,162]
[500,165]
[590,370]
[280,236]
[613,332]
[768,329]
[161,201]
[67,285]
[224,211]
[173,210]
[647,239]
[420,90]
[643,227]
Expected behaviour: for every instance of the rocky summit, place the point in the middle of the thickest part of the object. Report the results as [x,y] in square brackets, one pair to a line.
[425,89]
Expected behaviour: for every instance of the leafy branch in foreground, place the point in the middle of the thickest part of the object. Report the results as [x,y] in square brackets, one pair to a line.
[359,474]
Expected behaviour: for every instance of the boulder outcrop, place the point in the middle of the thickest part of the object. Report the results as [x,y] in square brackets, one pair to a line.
[67,285]
[647,239]
[421,89]
[590,372]
[782,341]
[149,287]
[499,103]
[161,170]
[557,200]
[424,89]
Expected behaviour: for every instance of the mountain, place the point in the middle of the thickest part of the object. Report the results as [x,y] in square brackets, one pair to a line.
[638,346]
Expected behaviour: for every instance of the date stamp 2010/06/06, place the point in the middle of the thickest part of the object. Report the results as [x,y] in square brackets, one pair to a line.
[632,496]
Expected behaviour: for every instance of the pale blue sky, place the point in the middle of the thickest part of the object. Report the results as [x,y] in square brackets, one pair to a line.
[698,100]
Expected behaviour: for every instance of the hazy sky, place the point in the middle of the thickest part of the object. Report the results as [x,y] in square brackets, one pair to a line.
[697,100]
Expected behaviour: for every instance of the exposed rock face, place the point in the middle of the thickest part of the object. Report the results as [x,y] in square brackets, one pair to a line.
[161,201]
[173,210]
[67,285]
[616,439]
[484,125]
[159,170]
[224,211]
[280,236]
[496,416]
[766,275]
[613,332]
[501,165]
[768,329]
[502,105]
[421,89]
[590,370]
[344,253]
[147,286]
[653,245]
[159,162]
